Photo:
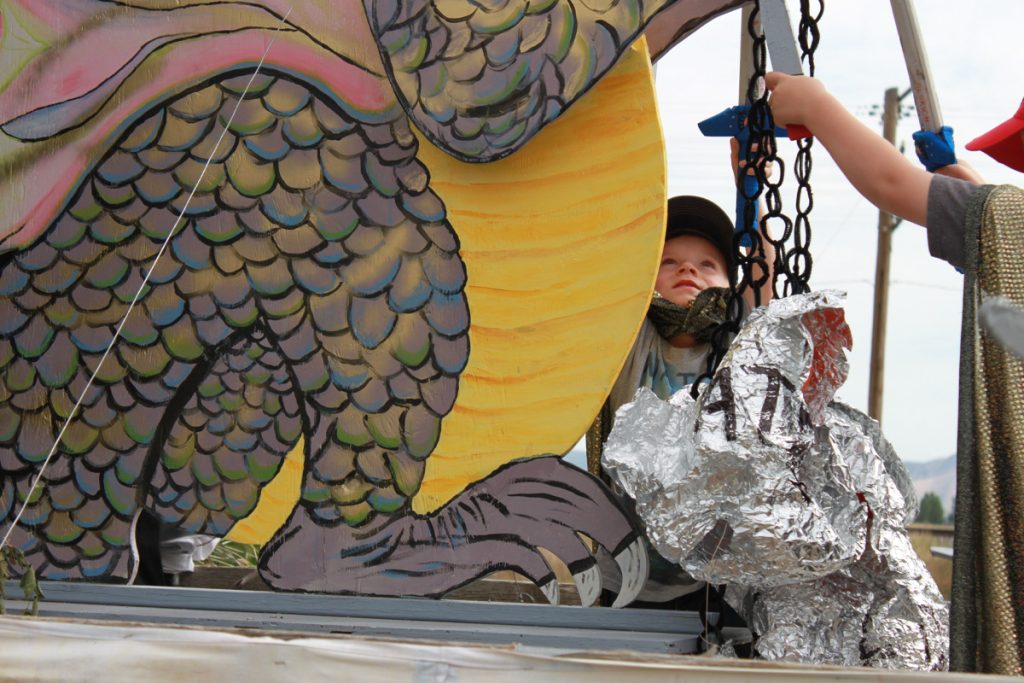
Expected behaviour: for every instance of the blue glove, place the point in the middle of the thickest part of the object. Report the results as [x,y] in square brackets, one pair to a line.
[935,148]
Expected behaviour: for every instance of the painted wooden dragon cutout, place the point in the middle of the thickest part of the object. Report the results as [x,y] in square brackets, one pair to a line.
[314,298]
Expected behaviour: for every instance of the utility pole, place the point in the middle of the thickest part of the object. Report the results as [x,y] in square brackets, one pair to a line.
[886,224]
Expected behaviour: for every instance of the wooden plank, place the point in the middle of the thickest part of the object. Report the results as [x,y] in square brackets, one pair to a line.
[74,650]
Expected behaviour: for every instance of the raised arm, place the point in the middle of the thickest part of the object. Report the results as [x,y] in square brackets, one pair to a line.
[876,168]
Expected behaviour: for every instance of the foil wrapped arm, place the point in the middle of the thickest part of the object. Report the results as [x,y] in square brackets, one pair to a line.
[794,500]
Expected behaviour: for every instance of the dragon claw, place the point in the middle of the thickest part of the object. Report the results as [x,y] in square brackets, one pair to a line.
[588,585]
[550,591]
[633,565]
[502,522]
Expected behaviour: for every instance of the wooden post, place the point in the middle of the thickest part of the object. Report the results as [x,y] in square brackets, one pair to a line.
[885,227]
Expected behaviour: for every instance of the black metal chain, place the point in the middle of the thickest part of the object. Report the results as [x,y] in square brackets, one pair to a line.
[791,264]
[798,259]
[760,152]
[747,245]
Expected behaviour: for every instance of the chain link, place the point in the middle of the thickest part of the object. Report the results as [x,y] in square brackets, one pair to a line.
[791,264]
[798,259]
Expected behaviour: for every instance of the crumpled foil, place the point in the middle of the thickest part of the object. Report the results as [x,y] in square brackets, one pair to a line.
[794,500]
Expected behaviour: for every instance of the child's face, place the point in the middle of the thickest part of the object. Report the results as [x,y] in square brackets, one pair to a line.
[689,265]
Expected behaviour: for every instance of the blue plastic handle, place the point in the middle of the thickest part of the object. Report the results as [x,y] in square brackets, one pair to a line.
[732,123]
[750,188]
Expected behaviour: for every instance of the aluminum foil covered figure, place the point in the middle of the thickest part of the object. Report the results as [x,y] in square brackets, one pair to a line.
[794,500]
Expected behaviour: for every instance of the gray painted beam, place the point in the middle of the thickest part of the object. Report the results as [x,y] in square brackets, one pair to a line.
[534,636]
[407,618]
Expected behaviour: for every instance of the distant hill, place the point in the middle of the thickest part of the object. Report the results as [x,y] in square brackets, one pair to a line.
[937,476]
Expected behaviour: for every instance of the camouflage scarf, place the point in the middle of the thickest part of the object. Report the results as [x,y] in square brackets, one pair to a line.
[700,318]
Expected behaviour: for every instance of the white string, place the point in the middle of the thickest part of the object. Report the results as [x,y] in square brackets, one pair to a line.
[707,601]
[142,287]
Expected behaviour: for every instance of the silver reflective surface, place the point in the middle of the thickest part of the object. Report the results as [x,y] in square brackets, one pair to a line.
[796,501]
